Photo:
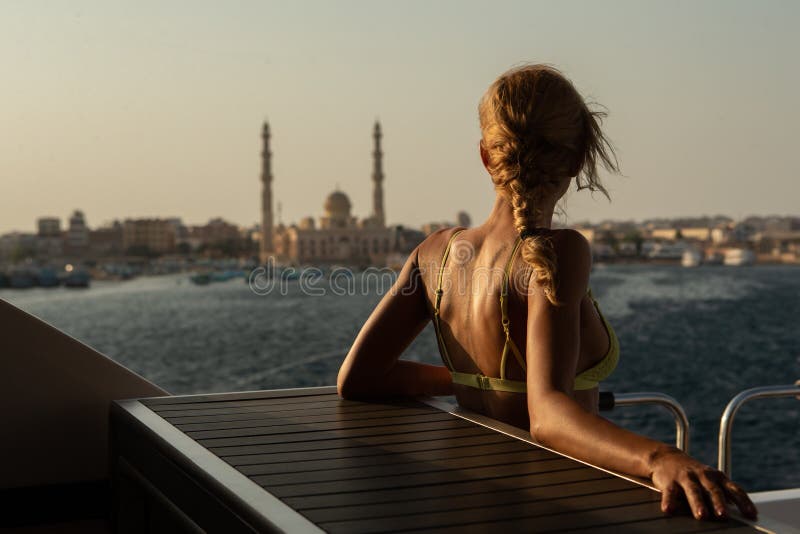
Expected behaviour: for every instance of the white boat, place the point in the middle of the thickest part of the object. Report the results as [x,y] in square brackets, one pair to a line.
[713,258]
[668,251]
[691,258]
[739,256]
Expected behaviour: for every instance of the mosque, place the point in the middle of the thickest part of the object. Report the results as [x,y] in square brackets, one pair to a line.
[338,237]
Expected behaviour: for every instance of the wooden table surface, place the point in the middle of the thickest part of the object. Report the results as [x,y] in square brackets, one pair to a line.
[305,460]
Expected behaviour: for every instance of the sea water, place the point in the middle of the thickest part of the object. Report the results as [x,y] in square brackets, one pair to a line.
[700,335]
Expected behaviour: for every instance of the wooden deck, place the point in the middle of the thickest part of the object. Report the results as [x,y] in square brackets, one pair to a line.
[304,460]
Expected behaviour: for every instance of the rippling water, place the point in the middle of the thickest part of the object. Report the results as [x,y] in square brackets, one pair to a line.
[700,335]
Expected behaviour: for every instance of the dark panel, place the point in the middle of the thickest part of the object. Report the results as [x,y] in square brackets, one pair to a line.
[400,481]
[196,501]
[442,445]
[54,503]
[312,461]
[311,435]
[401,466]
[276,426]
[383,440]
[456,502]
[321,414]
[572,506]
[140,503]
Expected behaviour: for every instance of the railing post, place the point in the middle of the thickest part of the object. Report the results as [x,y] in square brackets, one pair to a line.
[608,401]
[726,421]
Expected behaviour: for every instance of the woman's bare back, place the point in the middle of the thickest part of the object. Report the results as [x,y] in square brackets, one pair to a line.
[470,316]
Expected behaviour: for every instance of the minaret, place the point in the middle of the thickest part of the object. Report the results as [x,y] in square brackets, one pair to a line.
[266,249]
[377,178]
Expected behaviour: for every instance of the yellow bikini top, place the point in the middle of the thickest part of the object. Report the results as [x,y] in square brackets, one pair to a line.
[585,380]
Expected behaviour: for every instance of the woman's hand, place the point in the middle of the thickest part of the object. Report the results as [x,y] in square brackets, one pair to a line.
[674,472]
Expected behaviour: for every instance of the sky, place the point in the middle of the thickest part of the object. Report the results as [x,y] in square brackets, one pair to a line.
[154,108]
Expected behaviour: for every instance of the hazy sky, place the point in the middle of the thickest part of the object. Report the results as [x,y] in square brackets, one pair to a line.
[135,109]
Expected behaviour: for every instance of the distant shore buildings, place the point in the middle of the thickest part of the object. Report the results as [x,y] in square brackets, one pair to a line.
[128,240]
[769,239]
[337,237]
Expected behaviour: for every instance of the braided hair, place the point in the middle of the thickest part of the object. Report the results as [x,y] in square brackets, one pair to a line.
[536,131]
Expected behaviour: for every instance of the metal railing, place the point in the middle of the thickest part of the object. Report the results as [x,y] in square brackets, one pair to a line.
[609,400]
[726,421]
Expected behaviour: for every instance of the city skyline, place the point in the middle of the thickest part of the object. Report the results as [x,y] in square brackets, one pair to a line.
[140,111]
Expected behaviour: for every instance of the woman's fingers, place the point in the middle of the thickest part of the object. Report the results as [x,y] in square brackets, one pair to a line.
[739,496]
[694,494]
[669,498]
[702,486]
[711,480]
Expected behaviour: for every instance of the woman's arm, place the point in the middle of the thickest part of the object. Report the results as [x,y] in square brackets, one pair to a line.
[559,422]
[372,368]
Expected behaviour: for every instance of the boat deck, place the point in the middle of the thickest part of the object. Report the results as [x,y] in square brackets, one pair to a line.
[305,460]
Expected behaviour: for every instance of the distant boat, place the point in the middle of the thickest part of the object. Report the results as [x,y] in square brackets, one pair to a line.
[47,277]
[224,276]
[739,256]
[200,279]
[668,251]
[77,279]
[714,258]
[22,279]
[203,279]
[691,258]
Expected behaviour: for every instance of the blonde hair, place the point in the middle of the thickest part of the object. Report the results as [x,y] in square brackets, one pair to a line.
[537,130]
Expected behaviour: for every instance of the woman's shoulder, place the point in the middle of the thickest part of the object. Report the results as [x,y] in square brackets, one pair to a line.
[571,243]
[434,244]
[573,262]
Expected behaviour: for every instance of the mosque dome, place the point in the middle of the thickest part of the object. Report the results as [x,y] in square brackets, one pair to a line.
[337,205]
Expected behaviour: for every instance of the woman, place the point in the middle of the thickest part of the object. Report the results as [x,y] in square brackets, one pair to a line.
[514,282]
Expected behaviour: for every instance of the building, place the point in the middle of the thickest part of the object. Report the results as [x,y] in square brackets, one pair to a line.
[338,237]
[148,236]
[48,227]
[107,240]
[17,246]
[668,234]
[49,240]
[696,233]
[216,231]
[77,241]
[216,237]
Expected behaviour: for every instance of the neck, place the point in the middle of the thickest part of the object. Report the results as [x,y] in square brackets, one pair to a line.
[503,214]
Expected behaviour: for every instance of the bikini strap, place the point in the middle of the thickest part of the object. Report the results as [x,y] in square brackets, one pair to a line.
[438,300]
[505,321]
